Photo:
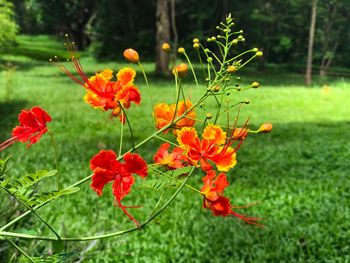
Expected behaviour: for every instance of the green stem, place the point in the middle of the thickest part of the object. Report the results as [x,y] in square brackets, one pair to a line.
[35,213]
[121,136]
[20,250]
[149,89]
[54,145]
[127,121]
[189,62]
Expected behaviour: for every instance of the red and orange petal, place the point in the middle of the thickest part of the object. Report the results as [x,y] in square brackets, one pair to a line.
[126,76]
[162,114]
[182,107]
[214,134]
[188,138]
[171,160]
[94,100]
[225,159]
[134,163]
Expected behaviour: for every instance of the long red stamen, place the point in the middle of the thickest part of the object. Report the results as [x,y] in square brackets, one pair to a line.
[7,143]
[127,213]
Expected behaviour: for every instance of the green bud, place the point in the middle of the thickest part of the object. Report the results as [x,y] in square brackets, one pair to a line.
[255,85]
[259,54]
[246,102]
[255,49]
[209,59]
[208,116]
[235,41]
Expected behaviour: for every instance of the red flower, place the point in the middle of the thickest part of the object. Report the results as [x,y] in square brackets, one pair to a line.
[214,200]
[106,169]
[32,125]
[170,160]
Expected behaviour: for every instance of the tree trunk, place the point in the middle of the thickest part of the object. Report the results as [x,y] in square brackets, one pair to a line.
[173,26]
[162,35]
[308,72]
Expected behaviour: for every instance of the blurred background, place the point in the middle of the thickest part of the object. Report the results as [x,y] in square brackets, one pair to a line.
[298,174]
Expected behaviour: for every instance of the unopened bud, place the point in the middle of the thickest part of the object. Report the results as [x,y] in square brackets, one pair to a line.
[231,69]
[246,101]
[217,88]
[235,41]
[255,85]
[195,40]
[213,38]
[166,47]
[208,116]
[209,59]
[131,55]
[181,70]
[259,54]
[181,50]
[265,127]
[196,46]
[255,49]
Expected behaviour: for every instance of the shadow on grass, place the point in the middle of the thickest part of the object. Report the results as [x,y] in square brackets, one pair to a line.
[9,111]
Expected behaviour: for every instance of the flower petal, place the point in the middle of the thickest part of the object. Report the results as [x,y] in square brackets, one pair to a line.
[105,159]
[100,178]
[226,159]
[214,134]
[134,163]
[126,76]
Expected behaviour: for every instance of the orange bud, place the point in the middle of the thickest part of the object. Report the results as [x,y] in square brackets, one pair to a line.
[240,133]
[231,69]
[265,127]
[131,55]
[166,47]
[181,70]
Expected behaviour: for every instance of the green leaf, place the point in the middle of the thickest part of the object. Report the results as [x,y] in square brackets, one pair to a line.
[31,179]
[3,166]
[38,199]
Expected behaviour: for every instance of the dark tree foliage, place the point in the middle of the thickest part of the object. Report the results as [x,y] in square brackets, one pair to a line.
[279,27]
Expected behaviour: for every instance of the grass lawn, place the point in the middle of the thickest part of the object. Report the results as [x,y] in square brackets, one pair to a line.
[298,174]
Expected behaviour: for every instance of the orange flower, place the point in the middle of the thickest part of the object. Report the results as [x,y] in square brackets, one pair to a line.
[170,160]
[131,55]
[164,115]
[214,200]
[102,93]
[214,146]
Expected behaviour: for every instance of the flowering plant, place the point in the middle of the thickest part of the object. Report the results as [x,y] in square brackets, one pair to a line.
[191,143]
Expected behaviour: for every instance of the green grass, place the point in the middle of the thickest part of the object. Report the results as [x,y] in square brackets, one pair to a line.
[299,173]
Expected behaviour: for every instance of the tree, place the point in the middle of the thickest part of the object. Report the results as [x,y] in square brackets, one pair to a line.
[308,72]
[8,26]
[162,35]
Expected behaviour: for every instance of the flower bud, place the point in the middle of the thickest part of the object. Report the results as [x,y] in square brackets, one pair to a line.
[208,116]
[209,59]
[231,69]
[265,127]
[217,88]
[196,46]
[255,85]
[235,41]
[181,70]
[255,49]
[246,101]
[166,47]
[131,55]
[195,40]
[181,50]
[259,54]
[213,38]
